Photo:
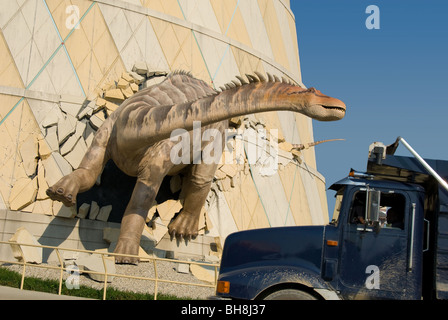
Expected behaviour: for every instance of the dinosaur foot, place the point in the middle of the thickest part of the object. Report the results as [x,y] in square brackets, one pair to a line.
[128,247]
[184,225]
[65,190]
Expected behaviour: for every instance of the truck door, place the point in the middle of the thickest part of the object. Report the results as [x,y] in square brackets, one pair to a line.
[374,256]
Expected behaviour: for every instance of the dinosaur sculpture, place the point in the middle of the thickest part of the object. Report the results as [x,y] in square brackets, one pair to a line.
[136,138]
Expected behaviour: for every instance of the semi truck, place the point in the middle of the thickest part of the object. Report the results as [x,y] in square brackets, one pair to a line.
[388,239]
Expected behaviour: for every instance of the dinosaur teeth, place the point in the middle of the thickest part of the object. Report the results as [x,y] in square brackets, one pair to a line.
[334,108]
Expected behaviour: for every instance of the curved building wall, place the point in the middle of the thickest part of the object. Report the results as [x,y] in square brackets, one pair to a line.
[57,55]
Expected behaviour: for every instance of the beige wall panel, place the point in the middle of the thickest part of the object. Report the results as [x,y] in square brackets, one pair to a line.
[171,41]
[107,56]
[93,25]
[221,217]
[90,74]
[259,217]
[274,32]
[17,128]
[231,20]
[283,17]
[46,39]
[237,205]
[59,14]
[62,75]
[318,215]
[118,25]
[22,48]
[170,7]
[78,46]
[294,190]
[143,46]
[323,200]
[9,9]
[272,194]
[219,59]
[246,63]
[9,75]
[200,12]
[84,5]
[304,125]
[253,20]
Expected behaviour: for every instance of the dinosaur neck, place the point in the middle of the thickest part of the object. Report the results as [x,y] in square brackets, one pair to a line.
[242,100]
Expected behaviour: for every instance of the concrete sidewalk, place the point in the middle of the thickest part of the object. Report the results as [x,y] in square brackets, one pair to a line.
[8,293]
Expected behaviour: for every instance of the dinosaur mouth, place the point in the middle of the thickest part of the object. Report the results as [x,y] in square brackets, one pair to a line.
[340,109]
[327,112]
[333,113]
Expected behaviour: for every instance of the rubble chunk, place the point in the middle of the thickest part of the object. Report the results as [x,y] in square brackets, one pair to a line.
[95,263]
[94,210]
[203,272]
[168,209]
[61,211]
[140,67]
[114,94]
[25,253]
[103,214]
[83,210]
[126,76]
[137,78]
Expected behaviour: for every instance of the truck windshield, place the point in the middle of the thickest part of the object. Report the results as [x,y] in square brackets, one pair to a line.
[337,206]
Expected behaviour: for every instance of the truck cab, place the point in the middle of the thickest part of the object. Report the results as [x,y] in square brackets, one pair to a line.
[387,240]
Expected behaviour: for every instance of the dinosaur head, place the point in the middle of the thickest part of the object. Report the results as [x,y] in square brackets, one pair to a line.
[316,105]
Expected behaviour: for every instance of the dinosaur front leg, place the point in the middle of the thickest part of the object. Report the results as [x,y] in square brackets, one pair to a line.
[197,188]
[84,177]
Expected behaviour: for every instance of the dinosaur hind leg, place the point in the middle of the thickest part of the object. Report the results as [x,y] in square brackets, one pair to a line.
[154,166]
[84,177]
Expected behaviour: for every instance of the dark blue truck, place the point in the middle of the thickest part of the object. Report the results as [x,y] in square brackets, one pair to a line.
[388,239]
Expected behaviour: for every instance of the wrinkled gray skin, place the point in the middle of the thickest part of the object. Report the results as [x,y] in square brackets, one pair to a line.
[136,138]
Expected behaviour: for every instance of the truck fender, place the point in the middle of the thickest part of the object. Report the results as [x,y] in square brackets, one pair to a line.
[259,280]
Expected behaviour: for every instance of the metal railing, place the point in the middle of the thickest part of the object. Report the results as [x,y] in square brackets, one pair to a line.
[106,274]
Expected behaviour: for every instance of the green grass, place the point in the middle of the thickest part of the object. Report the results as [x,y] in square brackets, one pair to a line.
[12,279]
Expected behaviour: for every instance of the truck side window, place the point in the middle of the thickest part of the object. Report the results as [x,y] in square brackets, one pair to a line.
[392,209]
[358,208]
[394,217]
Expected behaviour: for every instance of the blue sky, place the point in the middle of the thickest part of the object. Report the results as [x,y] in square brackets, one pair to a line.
[394,80]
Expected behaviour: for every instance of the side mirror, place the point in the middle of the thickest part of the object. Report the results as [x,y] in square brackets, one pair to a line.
[373,205]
